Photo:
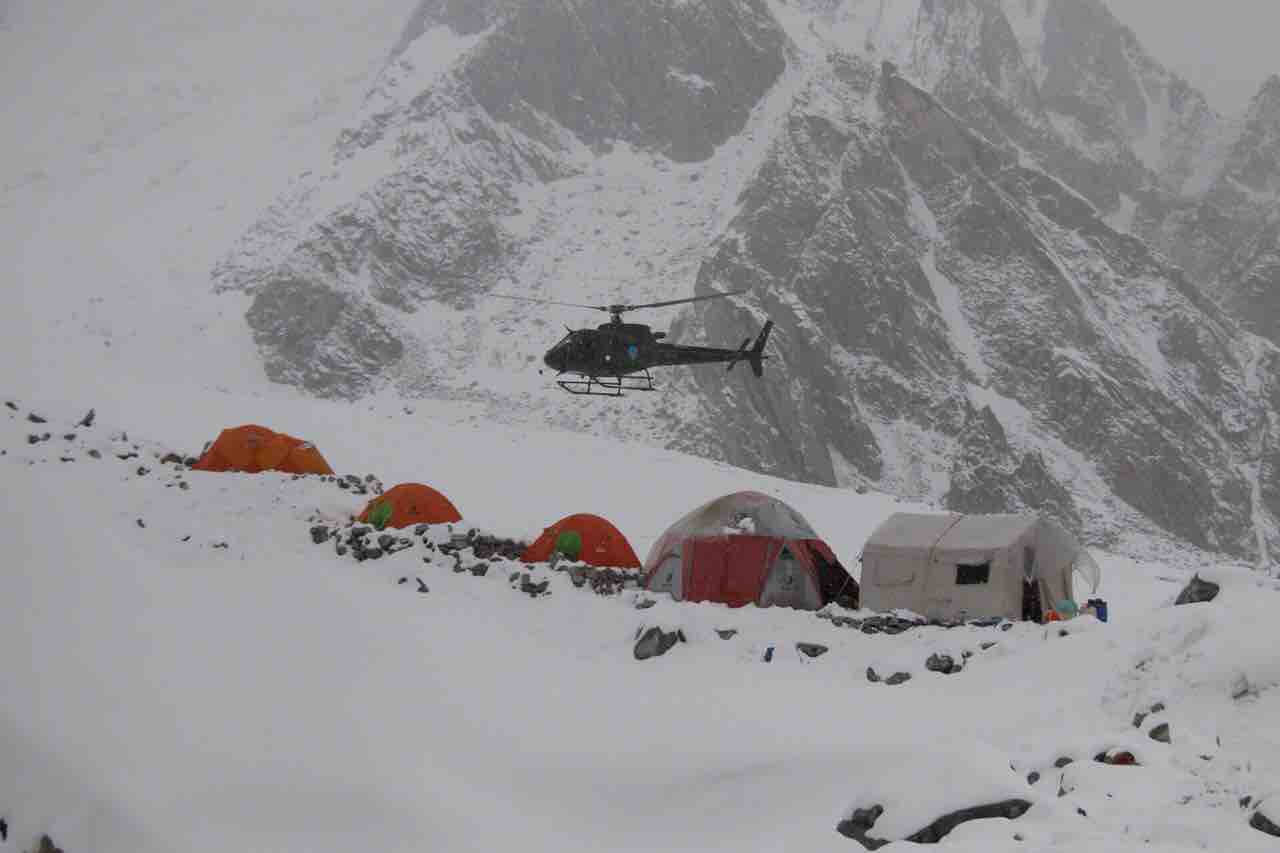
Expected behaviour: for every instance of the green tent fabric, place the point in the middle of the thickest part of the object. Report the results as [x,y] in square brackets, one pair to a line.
[569,543]
[381,514]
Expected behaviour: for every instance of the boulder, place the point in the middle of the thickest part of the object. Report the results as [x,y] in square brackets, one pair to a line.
[1197,590]
[320,534]
[1160,733]
[655,642]
[859,825]
[812,650]
[944,664]
[1262,823]
[897,678]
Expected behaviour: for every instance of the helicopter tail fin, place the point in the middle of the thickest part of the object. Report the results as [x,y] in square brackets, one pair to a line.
[739,355]
[756,357]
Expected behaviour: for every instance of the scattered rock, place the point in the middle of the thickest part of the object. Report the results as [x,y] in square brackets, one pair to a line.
[1160,733]
[1262,823]
[1157,707]
[68,436]
[96,454]
[859,824]
[897,678]
[987,644]
[726,633]
[944,664]
[143,470]
[645,603]
[872,676]
[171,459]
[184,485]
[1197,591]
[126,455]
[1081,812]
[32,438]
[1245,800]
[1033,777]
[812,650]
[12,405]
[480,569]
[141,523]
[1063,762]
[1138,718]
[87,420]
[402,581]
[422,587]
[531,587]
[36,419]
[320,534]
[221,545]
[186,538]
[47,845]
[966,654]
[655,642]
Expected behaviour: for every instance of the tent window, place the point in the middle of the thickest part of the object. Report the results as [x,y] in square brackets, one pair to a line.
[968,574]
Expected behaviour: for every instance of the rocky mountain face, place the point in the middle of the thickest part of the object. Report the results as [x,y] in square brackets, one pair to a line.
[936,201]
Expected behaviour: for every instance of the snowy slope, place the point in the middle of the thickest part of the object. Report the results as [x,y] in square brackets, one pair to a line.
[166,693]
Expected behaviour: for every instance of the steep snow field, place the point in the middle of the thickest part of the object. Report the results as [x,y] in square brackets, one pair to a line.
[244,688]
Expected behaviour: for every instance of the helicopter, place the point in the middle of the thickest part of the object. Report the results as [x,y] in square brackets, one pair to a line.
[616,356]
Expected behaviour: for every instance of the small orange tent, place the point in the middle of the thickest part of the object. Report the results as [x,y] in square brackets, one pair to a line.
[407,504]
[594,539]
[253,449]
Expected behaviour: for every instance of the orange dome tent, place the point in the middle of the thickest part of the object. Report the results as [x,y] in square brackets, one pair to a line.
[253,449]
[584,537]
[408,504]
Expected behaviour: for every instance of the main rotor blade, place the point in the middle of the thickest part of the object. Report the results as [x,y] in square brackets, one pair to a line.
[619,308]
[549,302]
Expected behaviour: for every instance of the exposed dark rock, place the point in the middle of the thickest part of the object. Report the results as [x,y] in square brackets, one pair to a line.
[654,642]
[96,454]
[1197,591]
[987,644]
[47,846]
[70,436]
[944,664]
[726,633]
[812,650]
[1033,777]
[141,523]
[422,587]
[320,534]
[12,405]
[127,455]
[531,587]
[1262,823]
[858,825]
[1138,717]
[897,678]
[480,569]
[645,603]
[171,459]
[32,438]
[143,471]
[87,420]
[1160,733]
[1062,762]
[872,676]
[36,419]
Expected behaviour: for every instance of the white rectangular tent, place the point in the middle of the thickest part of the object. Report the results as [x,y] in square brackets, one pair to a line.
[970,566]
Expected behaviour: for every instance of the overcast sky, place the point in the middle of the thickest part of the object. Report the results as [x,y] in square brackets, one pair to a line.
[1225,47]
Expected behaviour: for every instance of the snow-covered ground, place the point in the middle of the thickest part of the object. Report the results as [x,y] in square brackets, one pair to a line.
[210,679]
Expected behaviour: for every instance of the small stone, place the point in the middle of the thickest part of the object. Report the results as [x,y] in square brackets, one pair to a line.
[1157,707]
[726,633]
[1197,591]
[32,438]
[645,603]
[966,654]
[385,541]
[36,419]
[66,459]
[1160,733]
[127,455]
[171,459]
[1081,812]
[69,436]
[480,569]
[655,642]
[184,485]
[320,534]
[402,581]
[141,523]
[143,470]
[897,678]
[987,645]
[47,846]
[222,545]
[190,461]
[96,454]
[422,587]
[1033,777]
[12,405]
[1138,718]
[533,588]
[872,676]
[87,420]
[944,664]
[812,650]
[1245,801]
[1062,762]
[340,549]
[186,538]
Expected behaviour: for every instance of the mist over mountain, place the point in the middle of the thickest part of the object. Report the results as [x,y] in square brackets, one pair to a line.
[1014,261]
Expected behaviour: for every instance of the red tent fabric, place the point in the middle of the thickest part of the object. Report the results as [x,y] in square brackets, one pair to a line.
[253,449]
[747,548]
[602,544]
[410,504]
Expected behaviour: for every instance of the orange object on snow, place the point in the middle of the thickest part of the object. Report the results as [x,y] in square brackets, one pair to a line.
[597,542]
[408,504]
[253,449]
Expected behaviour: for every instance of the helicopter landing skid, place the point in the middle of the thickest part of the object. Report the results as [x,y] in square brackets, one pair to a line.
[608,386]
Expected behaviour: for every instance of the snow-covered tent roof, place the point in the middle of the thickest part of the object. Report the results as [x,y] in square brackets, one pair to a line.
[741,513]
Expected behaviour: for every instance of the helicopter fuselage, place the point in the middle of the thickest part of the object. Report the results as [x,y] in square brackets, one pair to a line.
[619,349]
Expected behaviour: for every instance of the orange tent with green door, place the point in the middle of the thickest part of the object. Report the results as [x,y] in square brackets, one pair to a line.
[408,504]
[585,537]
[253,449]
